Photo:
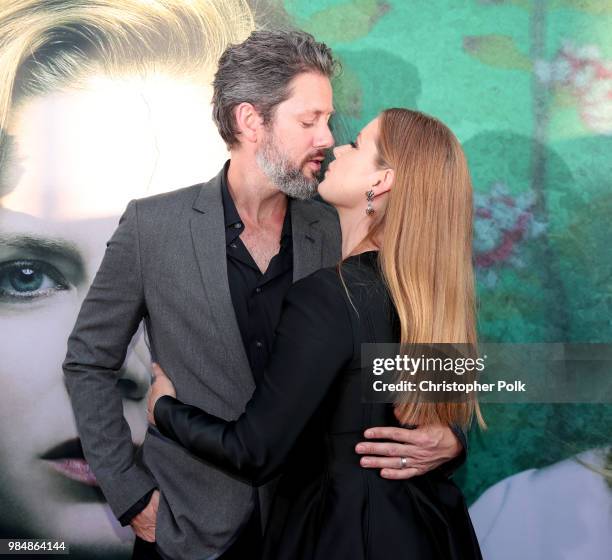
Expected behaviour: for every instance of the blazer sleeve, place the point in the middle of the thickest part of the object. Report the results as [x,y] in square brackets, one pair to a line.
[97,347]
[313,343]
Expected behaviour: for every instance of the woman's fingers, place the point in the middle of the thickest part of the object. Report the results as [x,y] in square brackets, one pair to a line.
[160,386]
[157,370]
[150,406]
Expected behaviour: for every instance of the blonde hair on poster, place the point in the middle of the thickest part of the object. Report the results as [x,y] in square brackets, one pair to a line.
[50,45]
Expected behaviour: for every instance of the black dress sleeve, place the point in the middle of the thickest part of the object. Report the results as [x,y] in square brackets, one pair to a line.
[314,341]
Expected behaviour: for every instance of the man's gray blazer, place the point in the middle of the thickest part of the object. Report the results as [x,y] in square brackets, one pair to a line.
[166,264]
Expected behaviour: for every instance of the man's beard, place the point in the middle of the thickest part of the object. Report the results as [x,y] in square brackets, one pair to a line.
[283,173]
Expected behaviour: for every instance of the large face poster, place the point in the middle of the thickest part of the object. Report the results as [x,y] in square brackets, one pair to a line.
[105,101]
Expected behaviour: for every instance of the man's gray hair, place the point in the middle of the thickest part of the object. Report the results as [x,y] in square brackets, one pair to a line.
[259,71]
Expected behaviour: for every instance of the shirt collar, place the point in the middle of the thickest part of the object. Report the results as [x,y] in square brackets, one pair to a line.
[233,223]
[229,208]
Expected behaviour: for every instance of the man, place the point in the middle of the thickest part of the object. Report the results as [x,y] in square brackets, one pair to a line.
[207,268]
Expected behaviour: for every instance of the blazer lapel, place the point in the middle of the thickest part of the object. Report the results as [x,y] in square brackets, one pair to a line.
[208,237]
[307,242]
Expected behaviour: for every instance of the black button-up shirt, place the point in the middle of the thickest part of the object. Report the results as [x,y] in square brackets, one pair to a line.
[257,298]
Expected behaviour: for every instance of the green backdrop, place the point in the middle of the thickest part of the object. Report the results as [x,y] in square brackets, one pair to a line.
[527,88]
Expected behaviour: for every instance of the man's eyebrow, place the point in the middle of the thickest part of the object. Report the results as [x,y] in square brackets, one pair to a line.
[38,244]
[318,112]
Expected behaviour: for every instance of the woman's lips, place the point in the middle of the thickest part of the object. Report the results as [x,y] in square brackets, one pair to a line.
[75,469]
[67,458]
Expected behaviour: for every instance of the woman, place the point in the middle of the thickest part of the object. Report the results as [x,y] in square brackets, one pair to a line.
[100,102]
[407,263]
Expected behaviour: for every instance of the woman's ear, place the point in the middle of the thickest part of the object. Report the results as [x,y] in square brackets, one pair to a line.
[248,122]
[384,181]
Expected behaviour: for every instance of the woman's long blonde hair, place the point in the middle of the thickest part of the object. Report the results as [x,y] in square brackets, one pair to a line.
[426,249]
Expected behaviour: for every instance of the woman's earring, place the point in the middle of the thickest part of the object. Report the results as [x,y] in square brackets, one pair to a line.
[370,197]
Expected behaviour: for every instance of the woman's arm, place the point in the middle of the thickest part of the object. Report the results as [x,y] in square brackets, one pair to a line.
[314,341]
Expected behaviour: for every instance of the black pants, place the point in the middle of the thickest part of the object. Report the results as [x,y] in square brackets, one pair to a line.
[246,547]
[144,550]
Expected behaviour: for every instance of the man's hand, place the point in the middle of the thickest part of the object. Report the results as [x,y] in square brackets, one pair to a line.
[410,452]
[144,523]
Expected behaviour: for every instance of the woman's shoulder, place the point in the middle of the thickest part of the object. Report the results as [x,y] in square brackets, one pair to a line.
[324,280]
[354,280]
[362,269]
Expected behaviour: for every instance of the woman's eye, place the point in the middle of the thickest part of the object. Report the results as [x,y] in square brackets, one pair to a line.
[307,124]
[25,280]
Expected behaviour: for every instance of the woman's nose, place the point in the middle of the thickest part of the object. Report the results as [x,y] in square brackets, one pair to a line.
[135,374]
[339,150]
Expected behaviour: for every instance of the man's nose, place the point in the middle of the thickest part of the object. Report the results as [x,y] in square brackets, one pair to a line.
[135,374]
[325,139]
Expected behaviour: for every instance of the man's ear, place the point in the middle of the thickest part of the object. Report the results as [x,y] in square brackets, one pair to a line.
[248,122]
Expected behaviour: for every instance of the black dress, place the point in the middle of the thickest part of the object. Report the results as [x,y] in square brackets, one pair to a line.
[304,421]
